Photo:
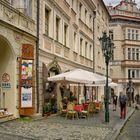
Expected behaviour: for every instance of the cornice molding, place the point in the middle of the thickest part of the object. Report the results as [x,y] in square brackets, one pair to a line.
[60,9]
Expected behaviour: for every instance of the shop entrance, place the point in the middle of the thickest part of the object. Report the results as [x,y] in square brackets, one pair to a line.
[7,76]
[50,89]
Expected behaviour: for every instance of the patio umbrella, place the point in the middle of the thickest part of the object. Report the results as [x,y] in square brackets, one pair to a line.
[78,76]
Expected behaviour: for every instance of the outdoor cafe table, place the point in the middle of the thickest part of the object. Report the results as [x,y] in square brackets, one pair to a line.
[79,108]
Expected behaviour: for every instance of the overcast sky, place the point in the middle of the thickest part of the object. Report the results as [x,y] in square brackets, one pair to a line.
[114,2]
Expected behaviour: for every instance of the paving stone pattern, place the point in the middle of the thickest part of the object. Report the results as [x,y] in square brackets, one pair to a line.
[60,128]
[131,130]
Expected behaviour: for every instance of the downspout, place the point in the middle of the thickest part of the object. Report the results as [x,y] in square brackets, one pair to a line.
[94,16]
[94,57]
[37,55]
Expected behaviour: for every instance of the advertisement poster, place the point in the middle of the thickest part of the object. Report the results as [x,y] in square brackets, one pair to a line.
[26,69]
[26,96]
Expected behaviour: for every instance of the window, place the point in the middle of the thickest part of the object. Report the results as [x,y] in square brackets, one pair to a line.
[137,73]
[129,73]
[133,53]
[65,34]
[80,10]
[137,54]
[57,28]
[74,41]
[90,52]
[85,16]
[137,35]
[81,42]
[47,21]
[133,34]
[86,49]
[134,73]
[129,53]
[90,21]
[129,34]
[28,7]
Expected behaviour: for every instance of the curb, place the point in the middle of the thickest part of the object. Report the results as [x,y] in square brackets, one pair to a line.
[118,129]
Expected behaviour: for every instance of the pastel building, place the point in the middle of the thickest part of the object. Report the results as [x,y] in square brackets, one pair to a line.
[125,32]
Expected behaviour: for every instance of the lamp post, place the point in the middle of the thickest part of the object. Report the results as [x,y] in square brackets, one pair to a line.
[107,48]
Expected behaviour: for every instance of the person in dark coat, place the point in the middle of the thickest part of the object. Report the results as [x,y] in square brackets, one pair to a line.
[122,101]
[115,99]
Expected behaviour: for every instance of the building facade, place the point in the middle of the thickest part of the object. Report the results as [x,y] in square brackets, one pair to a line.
[125,32]
[17,56]
[69,39]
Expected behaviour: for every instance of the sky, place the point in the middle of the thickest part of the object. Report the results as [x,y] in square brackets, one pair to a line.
[115,2]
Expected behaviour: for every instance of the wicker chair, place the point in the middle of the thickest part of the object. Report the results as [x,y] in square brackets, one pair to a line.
[70,111]
[90,110]
[62,110]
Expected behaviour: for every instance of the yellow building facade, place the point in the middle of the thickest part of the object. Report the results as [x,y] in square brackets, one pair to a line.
[69,39]
[17,36]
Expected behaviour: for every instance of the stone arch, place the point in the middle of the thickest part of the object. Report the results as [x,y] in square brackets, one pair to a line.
[9,36]
[8,67]
[54,67]
[8,43]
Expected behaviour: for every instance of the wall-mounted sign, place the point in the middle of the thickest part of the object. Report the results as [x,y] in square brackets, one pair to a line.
[26,69]
[27,90]
[5,81]
[26,97]
[5,77]
[5,85]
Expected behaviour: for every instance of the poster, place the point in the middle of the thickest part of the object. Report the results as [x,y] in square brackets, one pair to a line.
[26,96]
[26,69]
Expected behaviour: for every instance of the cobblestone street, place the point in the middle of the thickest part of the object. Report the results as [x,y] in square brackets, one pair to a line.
[131,130]
[60,128]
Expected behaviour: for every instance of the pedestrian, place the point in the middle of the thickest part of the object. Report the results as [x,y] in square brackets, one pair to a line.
[122,101]
[115,99]
[137,97]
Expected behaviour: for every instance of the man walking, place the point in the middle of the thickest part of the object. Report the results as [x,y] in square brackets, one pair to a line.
[122,101]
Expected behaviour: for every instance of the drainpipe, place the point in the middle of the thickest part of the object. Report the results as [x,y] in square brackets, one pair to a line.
[94,57]
[37,55]
[94,16]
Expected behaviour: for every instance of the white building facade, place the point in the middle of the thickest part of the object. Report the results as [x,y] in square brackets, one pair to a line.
[125,32]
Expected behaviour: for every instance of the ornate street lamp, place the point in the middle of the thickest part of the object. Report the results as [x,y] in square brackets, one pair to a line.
[107,48]
[130,91]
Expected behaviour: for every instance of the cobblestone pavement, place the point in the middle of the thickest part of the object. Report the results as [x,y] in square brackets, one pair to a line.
[131,130]
[60,128]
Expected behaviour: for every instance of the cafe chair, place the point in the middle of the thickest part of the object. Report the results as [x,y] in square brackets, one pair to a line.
[70,111]
[90,110]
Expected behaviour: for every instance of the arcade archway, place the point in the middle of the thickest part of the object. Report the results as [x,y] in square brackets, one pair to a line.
[7,76]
